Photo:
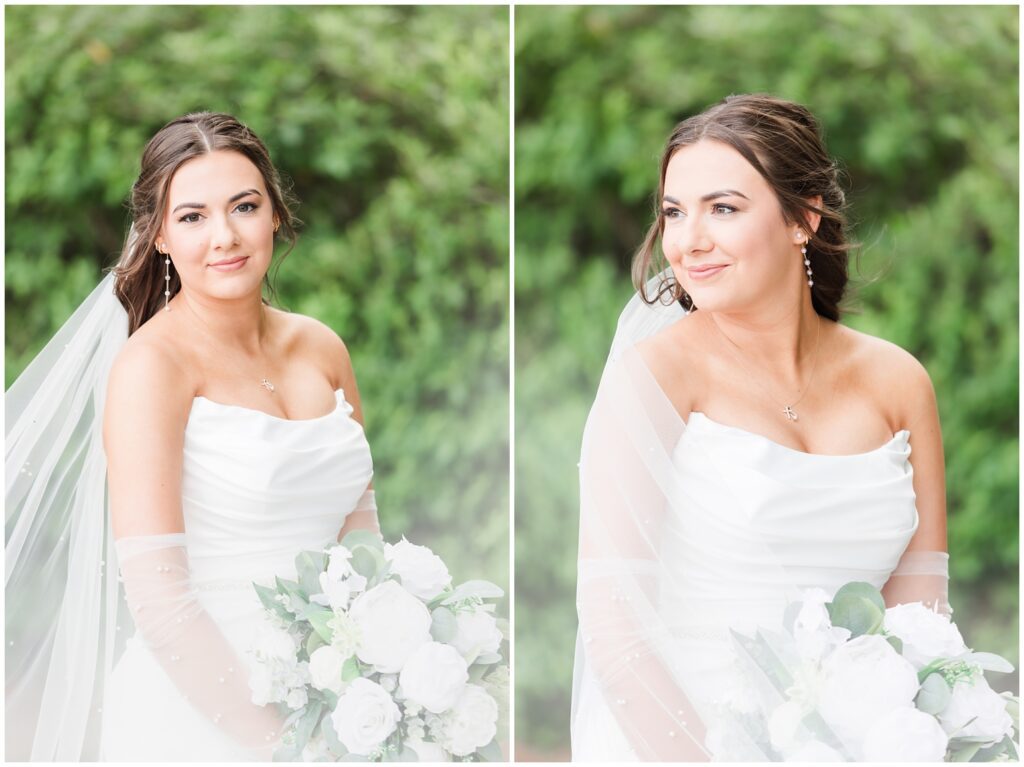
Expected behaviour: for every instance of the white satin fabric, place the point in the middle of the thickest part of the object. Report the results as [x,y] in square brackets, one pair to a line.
[256,491]
[740,525]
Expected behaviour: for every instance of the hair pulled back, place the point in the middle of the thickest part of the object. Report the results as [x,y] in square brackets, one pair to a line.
[139,273]
[783,142]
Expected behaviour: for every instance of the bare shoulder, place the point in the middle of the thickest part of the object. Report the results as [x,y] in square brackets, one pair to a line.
[676,357]
[150,369]
[309,338]
[893,374]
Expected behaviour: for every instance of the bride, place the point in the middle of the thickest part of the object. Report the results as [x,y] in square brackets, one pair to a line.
[743,445]
[231,440]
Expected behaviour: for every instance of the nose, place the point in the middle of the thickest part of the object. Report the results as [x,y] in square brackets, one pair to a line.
[688,237]
[223,236]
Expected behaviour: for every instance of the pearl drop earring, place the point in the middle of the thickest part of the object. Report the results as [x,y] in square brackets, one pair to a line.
[807,261]
[162,249]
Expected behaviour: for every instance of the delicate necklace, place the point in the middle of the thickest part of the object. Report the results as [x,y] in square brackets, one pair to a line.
[787,410]
[264,382]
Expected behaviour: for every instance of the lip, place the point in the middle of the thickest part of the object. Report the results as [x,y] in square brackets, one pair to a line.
[706,272]
[230,265]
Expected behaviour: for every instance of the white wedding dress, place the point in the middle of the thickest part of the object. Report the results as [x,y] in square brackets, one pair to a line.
[256,491]
[749,520]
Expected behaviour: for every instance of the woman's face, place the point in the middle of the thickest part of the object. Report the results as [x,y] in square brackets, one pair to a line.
[218,225]
[724,234]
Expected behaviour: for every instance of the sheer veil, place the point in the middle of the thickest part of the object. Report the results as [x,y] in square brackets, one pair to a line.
[63,601]
[657,589]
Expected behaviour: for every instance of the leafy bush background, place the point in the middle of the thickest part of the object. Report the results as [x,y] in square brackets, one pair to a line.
[392,123]
[920,105]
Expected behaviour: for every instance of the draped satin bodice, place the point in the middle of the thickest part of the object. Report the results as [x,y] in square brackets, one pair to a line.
[257,489]
[758,522]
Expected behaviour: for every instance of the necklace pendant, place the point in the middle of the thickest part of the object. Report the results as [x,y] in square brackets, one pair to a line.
[790,414]
[267,385]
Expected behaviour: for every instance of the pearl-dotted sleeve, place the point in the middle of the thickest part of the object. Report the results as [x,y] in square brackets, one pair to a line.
[921,576]
[187,642]
[625,640]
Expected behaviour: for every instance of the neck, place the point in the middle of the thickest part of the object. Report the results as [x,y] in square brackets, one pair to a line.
[781,339]
[240,323]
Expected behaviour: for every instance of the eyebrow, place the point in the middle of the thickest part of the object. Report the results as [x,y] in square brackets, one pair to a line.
[201,205]
[711,196]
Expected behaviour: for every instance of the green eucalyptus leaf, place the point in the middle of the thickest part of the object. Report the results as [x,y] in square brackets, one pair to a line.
[350,669]
[367,561]
[859,608]
[934,695]
[268,598]
[318,621]
[304,728]
[314,642]
[443,625]
[896,642]
[336,747]
[363,539]
[309,565]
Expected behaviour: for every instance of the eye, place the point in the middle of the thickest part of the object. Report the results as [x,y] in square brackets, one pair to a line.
[672,213]
[246,207]
[721,207]
[189,218]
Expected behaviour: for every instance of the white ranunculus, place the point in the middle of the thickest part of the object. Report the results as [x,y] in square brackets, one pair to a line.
[477,632]
[926,634]
[421,570]
[273,642]
[471,723]
[861,682]
[392,624]
[905,734]
[365,716]
[428,752]
[325,669]
[434,676]
[815,751]
[974,699]
[297,698]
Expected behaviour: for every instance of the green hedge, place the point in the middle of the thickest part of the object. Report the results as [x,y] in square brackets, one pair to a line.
[920,105]
[392,122]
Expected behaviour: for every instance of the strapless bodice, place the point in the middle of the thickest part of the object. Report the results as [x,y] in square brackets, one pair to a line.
[257,489]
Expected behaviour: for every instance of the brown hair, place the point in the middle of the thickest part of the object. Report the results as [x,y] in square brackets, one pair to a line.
[139,273]
[783,141]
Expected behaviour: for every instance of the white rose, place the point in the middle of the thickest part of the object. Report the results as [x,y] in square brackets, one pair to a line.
[477,633]
[421,570]
[815,751]
[862,681]
[296,698]
[325,669]
[427,751]
[905,734]
[926,635]
[976,700]
[392,623]
[471,723]
[364,717]
[434,676]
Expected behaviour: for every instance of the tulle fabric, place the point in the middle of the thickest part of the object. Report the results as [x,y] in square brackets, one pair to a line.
[691,529]
[63,602]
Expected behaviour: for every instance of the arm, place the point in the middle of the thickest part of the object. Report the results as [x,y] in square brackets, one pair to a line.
[364,516]
[624,489]
[147,408]
[922,573]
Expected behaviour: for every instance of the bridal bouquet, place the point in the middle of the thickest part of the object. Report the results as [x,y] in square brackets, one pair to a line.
[849,680]
[380,658]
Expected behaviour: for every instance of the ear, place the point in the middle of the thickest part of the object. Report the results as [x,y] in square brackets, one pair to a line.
[813,219]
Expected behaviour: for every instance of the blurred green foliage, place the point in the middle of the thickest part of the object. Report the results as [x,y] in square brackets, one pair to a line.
[392,123]
[918,103]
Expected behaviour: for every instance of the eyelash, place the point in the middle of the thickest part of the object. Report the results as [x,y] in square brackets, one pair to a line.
[667,212]
[187,218]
